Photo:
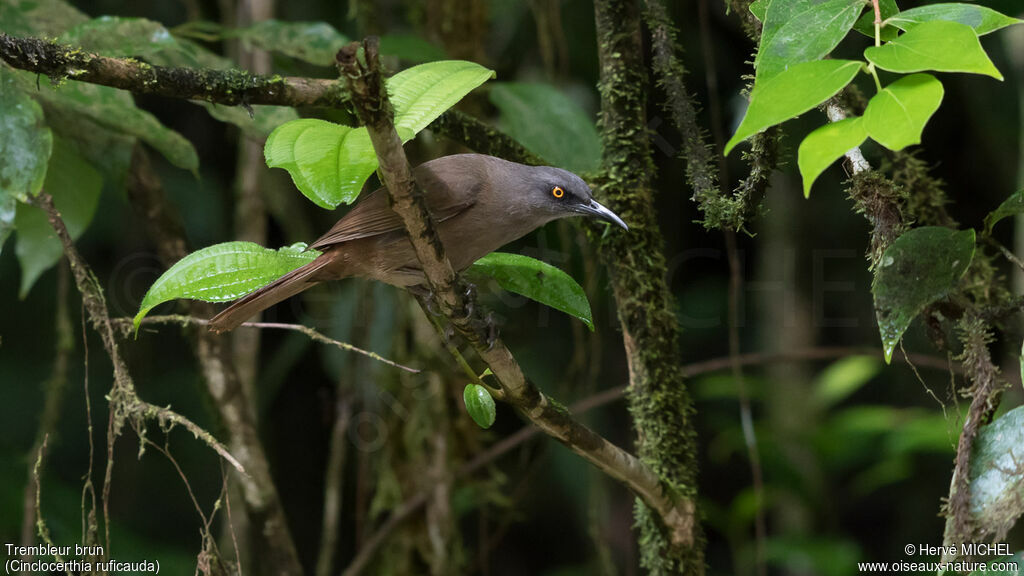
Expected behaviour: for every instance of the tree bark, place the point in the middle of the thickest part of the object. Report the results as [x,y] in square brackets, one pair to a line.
[658,399]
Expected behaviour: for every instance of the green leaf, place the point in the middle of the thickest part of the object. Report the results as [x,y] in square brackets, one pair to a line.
[313,42]
[25,140]
[75,188]
[844,377]
[802,31]
[758,8]
[119,37]
[223,272]
[410,48]
[997,485]
[918,268]
[1010,207]
[983,20]
[866,23]
[108,151]
[940,46]
[549,124]
[479,404]
[791,93]
[115,110]
[826,145]
[8,209]
[329,163]
[25,145]
[422,93]
[896,116]
[40,18]
[536,280]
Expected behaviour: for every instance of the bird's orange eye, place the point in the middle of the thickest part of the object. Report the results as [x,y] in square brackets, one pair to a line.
[557,192]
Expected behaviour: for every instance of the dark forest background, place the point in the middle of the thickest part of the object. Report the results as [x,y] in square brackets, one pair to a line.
[856,455]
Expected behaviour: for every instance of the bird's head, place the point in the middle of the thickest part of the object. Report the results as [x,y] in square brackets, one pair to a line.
[560,193]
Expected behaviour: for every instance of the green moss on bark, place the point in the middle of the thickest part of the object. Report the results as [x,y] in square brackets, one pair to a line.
[658,399]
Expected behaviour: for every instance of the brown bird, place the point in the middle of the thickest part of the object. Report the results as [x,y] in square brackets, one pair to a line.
[479,203]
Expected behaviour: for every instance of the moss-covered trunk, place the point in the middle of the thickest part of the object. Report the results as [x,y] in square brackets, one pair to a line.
[658,399]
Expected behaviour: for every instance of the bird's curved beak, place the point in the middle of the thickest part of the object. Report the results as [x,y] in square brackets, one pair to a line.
[594,208]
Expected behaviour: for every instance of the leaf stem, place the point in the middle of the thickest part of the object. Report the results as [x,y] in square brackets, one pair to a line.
[878,22]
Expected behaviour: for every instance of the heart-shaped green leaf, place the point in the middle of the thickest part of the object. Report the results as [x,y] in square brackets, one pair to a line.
[479,404]
[791,93]
[329,163]
[536,280]
[223,272]
[941,46]
[982,19]
[918,268]
[1010,207]
[826,145]
[866,23]
[75,187]
[801,31]
[896,116]
[549,124]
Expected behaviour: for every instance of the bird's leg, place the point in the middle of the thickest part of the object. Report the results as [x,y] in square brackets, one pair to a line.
[486,328]
[425,294]
[470,294]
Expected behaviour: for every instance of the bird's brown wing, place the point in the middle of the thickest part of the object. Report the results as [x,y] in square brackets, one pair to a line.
[372,215]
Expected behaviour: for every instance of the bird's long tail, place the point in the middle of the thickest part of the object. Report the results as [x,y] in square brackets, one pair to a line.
[284,287]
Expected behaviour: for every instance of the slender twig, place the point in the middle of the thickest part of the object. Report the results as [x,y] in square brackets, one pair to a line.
[126,325]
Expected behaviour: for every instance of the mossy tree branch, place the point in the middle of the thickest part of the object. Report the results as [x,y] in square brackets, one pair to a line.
[658,399]
[362,74]
[229,88]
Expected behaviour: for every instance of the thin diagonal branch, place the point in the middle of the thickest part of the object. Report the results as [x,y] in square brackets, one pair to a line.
[370,99]
[125,324]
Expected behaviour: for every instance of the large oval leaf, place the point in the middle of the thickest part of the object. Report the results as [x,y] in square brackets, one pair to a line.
[536,280]
[329,163]
[896,116]
[826,145]
[982,19]
[919,267]
[223,272]
[549,124]
[791,93]
[997,486]
[941,46]
[802,31]
[25,145]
